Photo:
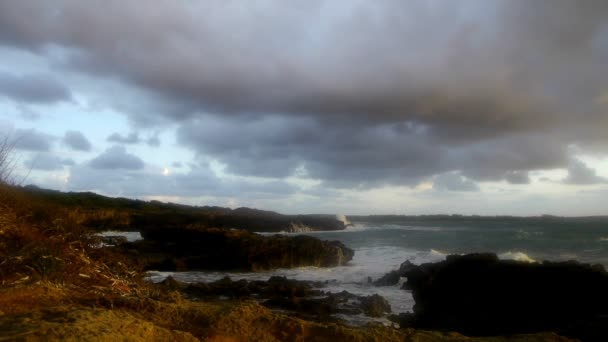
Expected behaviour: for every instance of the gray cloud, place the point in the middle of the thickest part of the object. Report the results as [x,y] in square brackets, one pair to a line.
[132,138]
[374,93]
[47,162]
[32,140]
[116,157]
[76,141]
[153,141]
[198,182]
[579,173]
[517,177]
[453,182]
[37,89]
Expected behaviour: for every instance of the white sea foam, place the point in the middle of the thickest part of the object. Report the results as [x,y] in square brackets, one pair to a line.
[368,262]
[131,236]
[342,217]
[518,256]
[603,238]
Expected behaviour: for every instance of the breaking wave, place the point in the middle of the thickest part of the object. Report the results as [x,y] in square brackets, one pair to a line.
[518,256]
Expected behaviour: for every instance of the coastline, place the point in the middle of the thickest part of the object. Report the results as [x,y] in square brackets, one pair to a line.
[58,284]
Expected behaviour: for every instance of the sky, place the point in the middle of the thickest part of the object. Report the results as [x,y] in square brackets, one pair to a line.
[344,106]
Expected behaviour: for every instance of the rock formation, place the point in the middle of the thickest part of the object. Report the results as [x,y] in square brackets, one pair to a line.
[478,294]
[223,249]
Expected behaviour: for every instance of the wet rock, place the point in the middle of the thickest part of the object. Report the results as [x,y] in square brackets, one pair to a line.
[226,287]
[321,308]
[222,249]
[113,240]
[392,277]
[303,298]
[375,305]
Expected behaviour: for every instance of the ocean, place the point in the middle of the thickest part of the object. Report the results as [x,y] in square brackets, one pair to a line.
[381,247]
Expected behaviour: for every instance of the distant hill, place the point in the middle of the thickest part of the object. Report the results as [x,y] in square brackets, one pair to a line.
[104,213]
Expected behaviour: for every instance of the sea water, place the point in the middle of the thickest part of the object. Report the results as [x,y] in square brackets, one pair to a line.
[381,247]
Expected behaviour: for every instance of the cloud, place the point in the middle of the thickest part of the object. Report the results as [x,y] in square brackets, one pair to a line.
[153,141]
[517,177]
[198,182]
[28,113]
[132,138]
[579,173]
[76,141]
[453,182]
[116,157]
[374,93]
[35,89]
[32,140]
[47,162]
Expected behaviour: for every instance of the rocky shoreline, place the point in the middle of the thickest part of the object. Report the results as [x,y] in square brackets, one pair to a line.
[303,299]
[57,282]
[224,249]
[477,294]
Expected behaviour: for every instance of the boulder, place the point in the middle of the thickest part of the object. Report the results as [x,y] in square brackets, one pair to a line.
[478,294]
[375,306]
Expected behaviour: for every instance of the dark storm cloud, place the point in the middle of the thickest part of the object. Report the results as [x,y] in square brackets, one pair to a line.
[116,157]
[517,177]
[76,141]
[453,182]
[132,138]
[355,94]
[32,140]
[36,89]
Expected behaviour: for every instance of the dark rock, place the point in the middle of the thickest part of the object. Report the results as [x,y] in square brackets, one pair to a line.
[392,277]
[478,294]
[113,240]
[247,219]
[222,249]
[320,308]
[274,287]
[375,306]
[404,319]
[302,298]
[171,284]
[389,279]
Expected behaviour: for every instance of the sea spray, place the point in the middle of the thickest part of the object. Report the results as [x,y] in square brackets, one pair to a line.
[343,219]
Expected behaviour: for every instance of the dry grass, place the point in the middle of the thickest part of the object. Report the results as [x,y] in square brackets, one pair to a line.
[40,241]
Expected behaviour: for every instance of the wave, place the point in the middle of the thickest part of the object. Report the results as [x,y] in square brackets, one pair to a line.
[528,235]
[437,253]
[603,238]
[518,256]
[131,236]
